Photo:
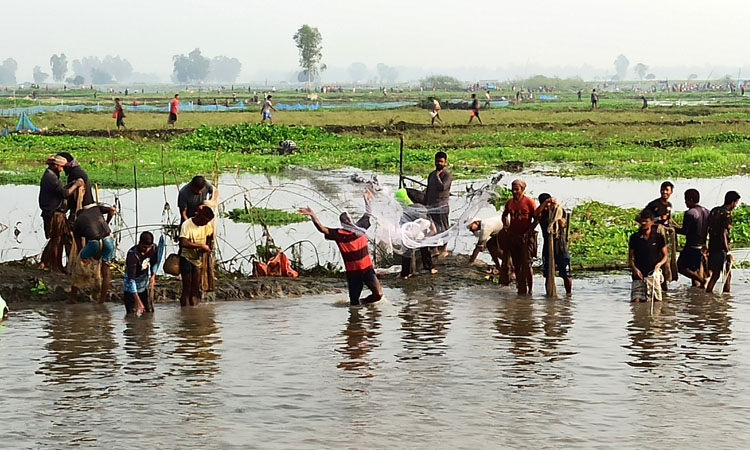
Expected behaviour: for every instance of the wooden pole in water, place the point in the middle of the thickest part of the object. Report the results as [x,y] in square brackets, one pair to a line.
[135,184]
[550,281]
[401,161]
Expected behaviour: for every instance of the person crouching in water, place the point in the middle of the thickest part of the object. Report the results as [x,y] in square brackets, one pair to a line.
[140,274]
[518,217]
[488,232]
[353,247]
[195,234]
[91,225]
[549,210]
[647,253]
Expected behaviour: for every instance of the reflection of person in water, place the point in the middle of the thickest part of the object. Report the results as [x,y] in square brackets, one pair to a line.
[516,323]
[710,323]
[650,334]
[360,333]
[424,325]
[140,346]
[196,336]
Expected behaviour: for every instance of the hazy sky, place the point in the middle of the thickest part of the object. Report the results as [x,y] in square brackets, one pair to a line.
[437,36]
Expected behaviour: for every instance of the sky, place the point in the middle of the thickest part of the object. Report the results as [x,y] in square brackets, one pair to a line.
[473,40]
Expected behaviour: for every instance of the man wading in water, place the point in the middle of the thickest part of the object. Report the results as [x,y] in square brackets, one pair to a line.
[695,229]
[518,217]
[719,258]
[662,209]
[647,252]
[352,243]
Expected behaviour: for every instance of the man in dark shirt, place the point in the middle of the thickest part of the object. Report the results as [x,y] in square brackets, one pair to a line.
[694,228]
[437,195]
[91,226]
[74,172]
[662,209]
[719,258]
[52,202]
[141,264]
[192,196]
[647,253]
[474,112]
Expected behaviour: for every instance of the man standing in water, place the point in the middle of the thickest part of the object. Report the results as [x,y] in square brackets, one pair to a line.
[265,110]
[719,258]
[195,235]
[548,207]
[662,209]
[174,106]
[52,202]
[474,112]
[518,217]
[695,229]
[91,226]
[437,195]
[352,242]
[647,252]
[192,196]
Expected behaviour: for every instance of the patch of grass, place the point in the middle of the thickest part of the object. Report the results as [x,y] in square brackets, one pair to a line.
[265,216]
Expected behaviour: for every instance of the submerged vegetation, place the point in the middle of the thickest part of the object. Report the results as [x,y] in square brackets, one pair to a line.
[264,216]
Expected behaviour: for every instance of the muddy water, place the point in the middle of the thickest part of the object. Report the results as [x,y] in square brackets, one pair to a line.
[475,368]
[328,193]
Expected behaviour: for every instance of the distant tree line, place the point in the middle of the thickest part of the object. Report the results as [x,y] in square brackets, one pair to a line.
[196,68]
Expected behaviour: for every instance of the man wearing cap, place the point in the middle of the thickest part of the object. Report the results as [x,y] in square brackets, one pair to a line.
[411,213]
[487,231]
[53,203]
[519,217]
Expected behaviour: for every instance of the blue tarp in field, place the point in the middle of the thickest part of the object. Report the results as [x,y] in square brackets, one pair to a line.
[24,123]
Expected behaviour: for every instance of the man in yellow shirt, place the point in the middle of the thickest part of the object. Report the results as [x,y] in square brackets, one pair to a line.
[196,234]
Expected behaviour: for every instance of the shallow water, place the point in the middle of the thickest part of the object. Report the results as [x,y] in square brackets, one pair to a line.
[472,368]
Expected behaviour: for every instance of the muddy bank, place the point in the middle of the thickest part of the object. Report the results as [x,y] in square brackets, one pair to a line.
[20,283]
[155,134]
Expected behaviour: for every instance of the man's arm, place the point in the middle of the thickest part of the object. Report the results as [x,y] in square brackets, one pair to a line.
[182,204]
[631,263]
[306,211]
[109,211]
[664,258]
[186,243]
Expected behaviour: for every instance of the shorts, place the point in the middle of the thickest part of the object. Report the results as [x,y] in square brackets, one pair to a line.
[690,258]
[357,281]
[129,301]
[266,115]
[186,267]
[172,118]
[562,264]
[474,113]
[717,260]
[639,290]
[91,249]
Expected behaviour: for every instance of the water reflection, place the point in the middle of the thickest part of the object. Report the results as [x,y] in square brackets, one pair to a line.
[531,338]
[140,346]
[651,332]
[196,335]
[360,335]
[425,321]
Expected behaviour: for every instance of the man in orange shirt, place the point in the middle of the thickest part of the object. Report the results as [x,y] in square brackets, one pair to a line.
[174,106]
[520,221]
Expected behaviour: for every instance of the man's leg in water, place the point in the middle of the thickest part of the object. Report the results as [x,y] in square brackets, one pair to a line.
[195,288]
[355,284]
[372,282]
[186,273]
[727,281]
[427,259]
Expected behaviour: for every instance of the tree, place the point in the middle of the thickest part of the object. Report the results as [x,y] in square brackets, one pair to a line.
[120,68]
[387,73]
[8,72]
[308,41]
[76,80]
[692,76]
[223,68]
[98,76]
[39,76]
[358,71]
[59,65]
[640,69]
[621,67]
[650,76]
[441,82]
[193,67]
[83,67]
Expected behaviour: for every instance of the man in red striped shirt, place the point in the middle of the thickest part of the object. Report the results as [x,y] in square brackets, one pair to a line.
[352,243]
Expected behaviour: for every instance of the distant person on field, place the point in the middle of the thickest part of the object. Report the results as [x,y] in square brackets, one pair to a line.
[645,102]
[192,196]
[594,99]
[719,258]
[174,107]
[435,113]
[579,93]
[352,243]
[487,99]
[119,114]
[265,110]
[474,112]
